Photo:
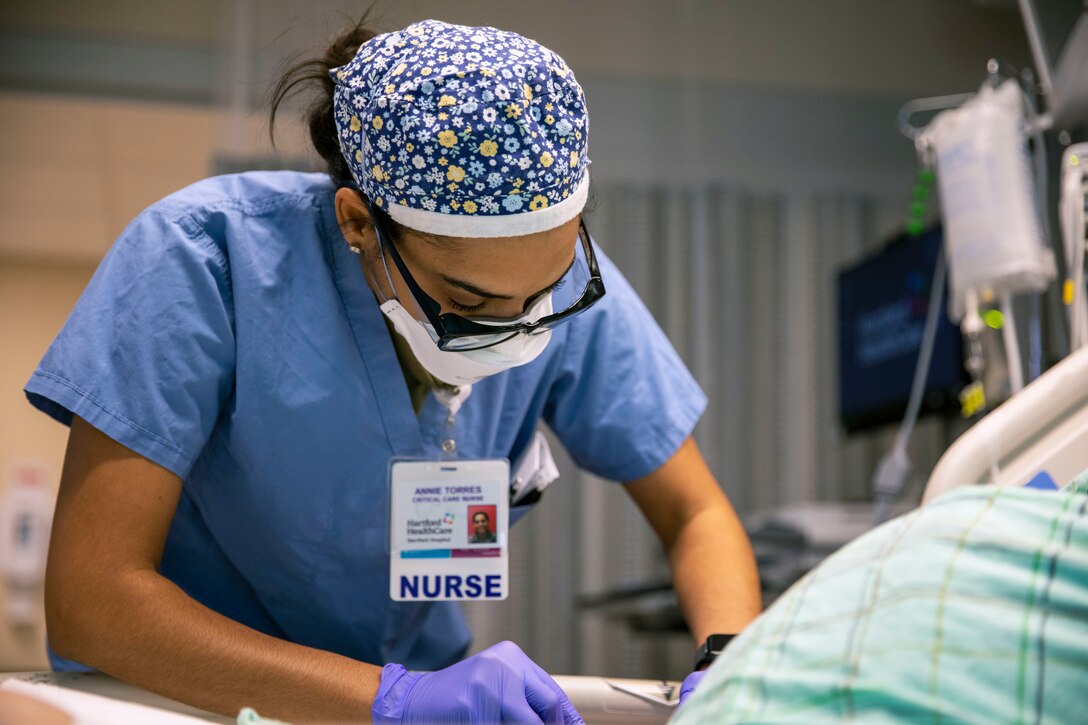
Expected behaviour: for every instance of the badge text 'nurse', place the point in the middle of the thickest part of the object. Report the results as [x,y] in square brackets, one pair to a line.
[448,530]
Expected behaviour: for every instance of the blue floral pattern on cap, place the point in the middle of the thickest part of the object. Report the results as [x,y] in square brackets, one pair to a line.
[461,121]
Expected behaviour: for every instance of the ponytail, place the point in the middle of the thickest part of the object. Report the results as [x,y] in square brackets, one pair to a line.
[314,73]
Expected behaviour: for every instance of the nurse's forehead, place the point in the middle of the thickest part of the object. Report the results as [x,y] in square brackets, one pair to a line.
[526,257]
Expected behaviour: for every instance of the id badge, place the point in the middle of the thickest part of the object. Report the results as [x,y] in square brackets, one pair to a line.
[448,530]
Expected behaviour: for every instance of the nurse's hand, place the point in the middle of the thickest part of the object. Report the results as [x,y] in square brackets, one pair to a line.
[690,683]
[500,684]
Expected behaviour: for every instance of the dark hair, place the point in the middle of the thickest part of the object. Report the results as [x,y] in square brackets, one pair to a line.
[320,118]
[320,115]
[314,73]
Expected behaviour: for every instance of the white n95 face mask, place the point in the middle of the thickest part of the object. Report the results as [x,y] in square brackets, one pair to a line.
[465,367]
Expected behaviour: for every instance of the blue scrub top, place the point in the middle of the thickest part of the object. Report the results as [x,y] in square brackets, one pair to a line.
[229,336]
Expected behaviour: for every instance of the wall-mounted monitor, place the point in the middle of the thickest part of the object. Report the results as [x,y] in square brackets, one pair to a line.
[883,301]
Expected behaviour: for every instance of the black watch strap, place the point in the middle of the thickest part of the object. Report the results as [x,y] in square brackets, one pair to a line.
[710,649]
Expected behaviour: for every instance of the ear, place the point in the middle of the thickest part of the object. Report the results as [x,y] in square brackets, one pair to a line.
[354,219]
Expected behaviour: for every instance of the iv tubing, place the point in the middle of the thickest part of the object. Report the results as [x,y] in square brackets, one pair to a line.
[1012,346]
[1077,235]
[1035,339]
[925,354]
[894,467]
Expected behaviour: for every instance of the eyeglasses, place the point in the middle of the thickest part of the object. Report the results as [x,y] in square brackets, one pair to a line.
[456,333]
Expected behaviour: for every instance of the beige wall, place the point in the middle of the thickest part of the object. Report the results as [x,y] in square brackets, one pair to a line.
[35,298]
[74,171]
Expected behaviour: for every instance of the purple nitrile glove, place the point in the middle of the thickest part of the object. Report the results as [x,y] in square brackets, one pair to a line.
[690,683]
[499,685]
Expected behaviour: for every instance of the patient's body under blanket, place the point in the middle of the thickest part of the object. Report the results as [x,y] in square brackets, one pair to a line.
[972,609]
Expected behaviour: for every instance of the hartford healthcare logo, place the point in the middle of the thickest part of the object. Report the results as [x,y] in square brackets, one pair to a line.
[448,519]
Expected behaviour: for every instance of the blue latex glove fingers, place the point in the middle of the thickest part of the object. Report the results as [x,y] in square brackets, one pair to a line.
[690,683]
[547,699]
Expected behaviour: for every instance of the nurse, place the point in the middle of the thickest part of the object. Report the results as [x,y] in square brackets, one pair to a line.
[256,350]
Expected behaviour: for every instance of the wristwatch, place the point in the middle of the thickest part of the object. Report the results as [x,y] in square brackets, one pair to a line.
[710,649]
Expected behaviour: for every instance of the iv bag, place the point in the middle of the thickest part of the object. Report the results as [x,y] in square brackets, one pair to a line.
[993,238]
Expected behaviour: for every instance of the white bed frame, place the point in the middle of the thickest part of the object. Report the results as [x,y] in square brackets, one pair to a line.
[600,700]
[1044,427]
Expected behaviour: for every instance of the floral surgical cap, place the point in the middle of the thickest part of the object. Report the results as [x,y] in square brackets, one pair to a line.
[463,131]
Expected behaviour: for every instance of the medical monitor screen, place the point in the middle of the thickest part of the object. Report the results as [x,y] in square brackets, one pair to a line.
[882,313]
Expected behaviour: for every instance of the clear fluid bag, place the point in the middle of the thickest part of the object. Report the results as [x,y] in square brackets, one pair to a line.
[993,239]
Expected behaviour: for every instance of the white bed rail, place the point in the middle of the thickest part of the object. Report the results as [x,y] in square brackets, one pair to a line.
[600,700]
[617,701]
[1042,428]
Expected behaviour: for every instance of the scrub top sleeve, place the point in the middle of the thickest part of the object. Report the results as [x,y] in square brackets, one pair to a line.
[147,354]
[623,401]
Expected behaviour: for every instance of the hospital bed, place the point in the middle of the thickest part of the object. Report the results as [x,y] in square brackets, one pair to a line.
[1042,429]
[601,700]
